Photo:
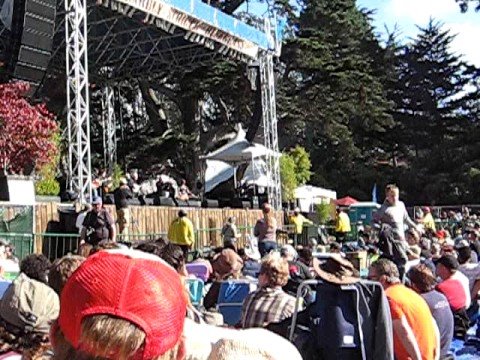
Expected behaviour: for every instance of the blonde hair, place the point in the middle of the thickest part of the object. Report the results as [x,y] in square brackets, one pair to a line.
[276,269]
[106,337]
[391,187]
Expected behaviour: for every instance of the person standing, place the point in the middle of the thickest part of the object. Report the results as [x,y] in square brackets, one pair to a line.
[121,196]
[394,213]
[266,231]
[428,220]
[98,224]
[230,233]
[298,221]
[181,232]
[342,224]
[415,333]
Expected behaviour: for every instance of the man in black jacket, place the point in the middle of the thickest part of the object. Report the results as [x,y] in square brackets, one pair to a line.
[121,196]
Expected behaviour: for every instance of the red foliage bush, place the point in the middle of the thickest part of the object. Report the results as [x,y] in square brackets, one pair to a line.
[26,131]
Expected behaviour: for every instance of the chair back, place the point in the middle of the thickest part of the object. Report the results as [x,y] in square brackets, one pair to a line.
[199,270]
[195,289]
[230,299]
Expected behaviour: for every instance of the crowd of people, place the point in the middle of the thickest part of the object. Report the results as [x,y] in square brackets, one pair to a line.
[113,301]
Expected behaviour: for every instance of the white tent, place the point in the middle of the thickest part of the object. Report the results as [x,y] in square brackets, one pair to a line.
[308,196]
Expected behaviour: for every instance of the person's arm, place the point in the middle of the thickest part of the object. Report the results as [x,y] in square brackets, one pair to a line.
[406,218]
[475,289]
[112,231]
[83,235]
[436,355]
[404,332]
[191,234]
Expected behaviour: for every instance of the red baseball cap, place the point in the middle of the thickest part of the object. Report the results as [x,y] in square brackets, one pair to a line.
[131,285]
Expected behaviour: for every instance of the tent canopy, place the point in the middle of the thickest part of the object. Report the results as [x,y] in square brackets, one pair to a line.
[346,201]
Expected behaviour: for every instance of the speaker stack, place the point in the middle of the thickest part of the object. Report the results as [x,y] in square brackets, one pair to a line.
[33,28]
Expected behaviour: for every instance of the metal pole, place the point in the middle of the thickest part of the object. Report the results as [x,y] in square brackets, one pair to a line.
[78,111]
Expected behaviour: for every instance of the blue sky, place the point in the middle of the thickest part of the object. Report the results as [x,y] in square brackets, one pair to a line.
[408,13]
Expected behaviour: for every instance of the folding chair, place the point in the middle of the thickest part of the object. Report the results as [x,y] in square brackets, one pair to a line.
[195,289]
[230,299]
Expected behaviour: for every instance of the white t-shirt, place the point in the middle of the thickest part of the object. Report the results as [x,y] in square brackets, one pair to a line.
[472,272]
[11,356]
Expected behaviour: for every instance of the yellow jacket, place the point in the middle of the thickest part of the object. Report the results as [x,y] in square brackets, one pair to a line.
[181,232]
[299,221]
[343,223]
[429,222]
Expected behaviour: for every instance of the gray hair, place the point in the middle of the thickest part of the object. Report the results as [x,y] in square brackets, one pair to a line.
[387,268]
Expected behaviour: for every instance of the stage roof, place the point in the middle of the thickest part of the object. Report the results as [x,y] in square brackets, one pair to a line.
[137,38]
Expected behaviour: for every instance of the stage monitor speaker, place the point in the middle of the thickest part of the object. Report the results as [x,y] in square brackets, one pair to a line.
[195,203]
[181,203]
[241,204]
[33,29]
[209,203]
[163,201]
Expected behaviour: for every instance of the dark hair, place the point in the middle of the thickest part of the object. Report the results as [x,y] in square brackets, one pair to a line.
[104,245]
[61,271]
[305,255]
[172,254]
[422,277]
[152,247]
[36,266]
[464,254]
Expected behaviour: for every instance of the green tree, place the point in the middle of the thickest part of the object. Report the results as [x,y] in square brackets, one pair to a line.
[288,176]
[303,164]
[331,99]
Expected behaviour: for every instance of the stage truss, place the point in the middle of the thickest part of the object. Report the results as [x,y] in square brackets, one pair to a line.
[100,42]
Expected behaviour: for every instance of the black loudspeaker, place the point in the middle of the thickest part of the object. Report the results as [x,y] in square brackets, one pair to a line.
[195,203]
[134,202]
[241,204]
[181,203]
[33,28]
[208,203]
[163,201]
[148,201]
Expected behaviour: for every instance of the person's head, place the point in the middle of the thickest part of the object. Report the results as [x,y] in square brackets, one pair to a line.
[36,266]
[227,263]
[413,237]
[121,304]
[421,278]
[123,181]
[134,175]
[152,247]
[27,309]
[3,249]
[105,245]
[182,213]
[392,194]
[464,254]
[335,248]
[61,270]
[435,249]
[446,266]
[288,252]
[273,271]
[231,220]
[173,255]
[296,211]
[266,209]
[97,203]
[305,255]
[385,272]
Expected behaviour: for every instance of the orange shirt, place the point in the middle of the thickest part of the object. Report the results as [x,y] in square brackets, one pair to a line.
[406,302]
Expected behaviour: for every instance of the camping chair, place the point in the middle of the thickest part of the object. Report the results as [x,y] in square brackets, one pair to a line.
[230,299]
[195,289]
[339,307]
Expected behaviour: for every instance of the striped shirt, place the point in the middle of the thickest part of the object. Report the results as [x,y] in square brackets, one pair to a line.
[265,306]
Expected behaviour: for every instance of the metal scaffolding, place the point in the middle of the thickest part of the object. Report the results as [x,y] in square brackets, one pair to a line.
[78,112]
[270,134]
[109,126]
[126,41]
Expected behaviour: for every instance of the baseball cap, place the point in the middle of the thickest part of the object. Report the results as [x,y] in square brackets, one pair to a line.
[449,261]
[130,285]
[29,305]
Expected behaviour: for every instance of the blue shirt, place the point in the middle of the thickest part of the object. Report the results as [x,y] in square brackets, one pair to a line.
[4,284]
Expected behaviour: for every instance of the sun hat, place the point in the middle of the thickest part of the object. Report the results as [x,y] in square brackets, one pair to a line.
[336,270]
[227,263]
[131,285]
[28,306]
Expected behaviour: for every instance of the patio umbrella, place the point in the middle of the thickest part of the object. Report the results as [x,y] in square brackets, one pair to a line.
[346,201]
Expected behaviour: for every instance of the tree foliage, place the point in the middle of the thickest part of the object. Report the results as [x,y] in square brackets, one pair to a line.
[301,158]
[288,176]
[26,131]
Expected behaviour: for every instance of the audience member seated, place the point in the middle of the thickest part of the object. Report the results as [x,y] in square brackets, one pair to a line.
[454,291]
[226,265]
[4,283]
[61,270]
[472,272]
[423,282]
[269,304]
[26,311]
[298,271]
[251,264]
[414,250]
[121,304]
[415,333]
[199,259]
[36,266]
